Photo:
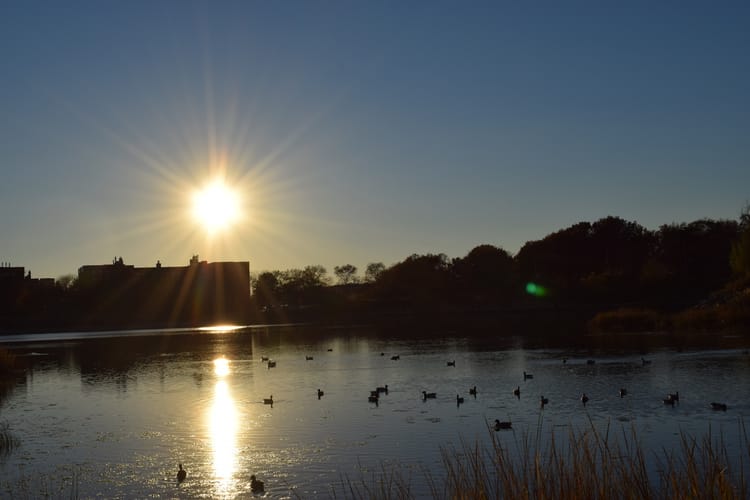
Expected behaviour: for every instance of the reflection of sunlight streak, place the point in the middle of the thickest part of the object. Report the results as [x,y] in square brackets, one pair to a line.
[223,429]
[219,328]
[221,367]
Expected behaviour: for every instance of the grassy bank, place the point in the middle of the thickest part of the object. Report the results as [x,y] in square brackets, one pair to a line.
[586,465]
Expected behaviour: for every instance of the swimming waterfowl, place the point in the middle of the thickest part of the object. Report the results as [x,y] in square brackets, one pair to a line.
[674,397]
[452,363]
[645,361]
[271,364]
[623,392]
[383,389]
[255,485]
[502,425]
[320,394]
[308,358]
[584,398]
[373,399]
[719,406]
[591,362]
[264,358]
[181,474]
[517,391]
[527,375]
[459,399]
[473,391]
[396,357]
[668,401]
[268,401]
[428,395]
[543,401]
[375,393]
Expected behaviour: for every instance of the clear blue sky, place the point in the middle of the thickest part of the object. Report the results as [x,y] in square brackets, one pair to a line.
[361,131]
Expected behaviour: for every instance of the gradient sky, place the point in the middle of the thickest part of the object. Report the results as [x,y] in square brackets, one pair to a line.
[358,132]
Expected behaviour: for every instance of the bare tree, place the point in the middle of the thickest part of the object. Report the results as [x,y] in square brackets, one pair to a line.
[346,274]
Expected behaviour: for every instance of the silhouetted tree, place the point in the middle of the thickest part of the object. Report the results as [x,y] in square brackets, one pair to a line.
[740,254]
[486,274]
[66,281]
[266,288]
[418,280]
[346,274]
[696,256]
[373,271]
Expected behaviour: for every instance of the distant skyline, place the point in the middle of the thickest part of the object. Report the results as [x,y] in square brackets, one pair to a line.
[356,132]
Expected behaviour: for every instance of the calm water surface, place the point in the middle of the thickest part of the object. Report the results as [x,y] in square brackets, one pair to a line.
[114,415]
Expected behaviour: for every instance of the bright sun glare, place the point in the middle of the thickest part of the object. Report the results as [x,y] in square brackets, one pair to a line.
[216,206]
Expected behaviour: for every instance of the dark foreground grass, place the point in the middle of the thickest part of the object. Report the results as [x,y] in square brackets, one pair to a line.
[590,465]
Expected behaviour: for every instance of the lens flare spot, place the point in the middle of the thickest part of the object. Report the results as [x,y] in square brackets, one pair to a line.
[535,289]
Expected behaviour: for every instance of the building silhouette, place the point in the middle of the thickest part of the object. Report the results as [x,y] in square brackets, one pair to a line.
[201,293]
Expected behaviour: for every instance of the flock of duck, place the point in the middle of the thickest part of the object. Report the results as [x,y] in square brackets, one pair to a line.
[374,396]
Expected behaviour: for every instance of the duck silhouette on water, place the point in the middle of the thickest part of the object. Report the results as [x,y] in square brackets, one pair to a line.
[181,474]
[502,425]
[256,486]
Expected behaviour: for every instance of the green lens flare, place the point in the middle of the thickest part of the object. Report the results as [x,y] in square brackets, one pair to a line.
[535,290]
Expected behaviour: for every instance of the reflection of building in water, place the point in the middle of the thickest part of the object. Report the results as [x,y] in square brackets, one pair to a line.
[198,294]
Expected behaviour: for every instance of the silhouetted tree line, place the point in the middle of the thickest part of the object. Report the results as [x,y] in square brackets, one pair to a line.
[591,266]
[588,267]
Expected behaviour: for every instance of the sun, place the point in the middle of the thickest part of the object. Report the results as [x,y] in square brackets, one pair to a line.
[216,206]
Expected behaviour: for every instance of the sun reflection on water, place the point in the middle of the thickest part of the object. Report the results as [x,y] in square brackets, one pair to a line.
[223,423]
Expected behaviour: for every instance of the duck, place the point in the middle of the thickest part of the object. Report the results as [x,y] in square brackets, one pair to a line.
[375,393]
[674,397]
[396,357]
[373,399]
[452,363]
[181,474]
[271,364]
[668,401]
[459,399]
[320,394]
[527,376]
[473,391]
[590,361]
[543,401]
[308,358]
[255,485]
[565,360]
[623,392]
[383,389]
[584,398]
[264,358]
[502,425]
[268,401]
[719,406]
[645,361]
[517,391]
[428,395]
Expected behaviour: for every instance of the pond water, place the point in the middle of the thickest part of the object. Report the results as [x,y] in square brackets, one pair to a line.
[112,415]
